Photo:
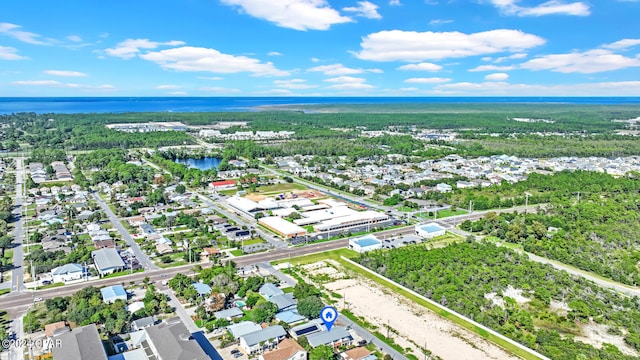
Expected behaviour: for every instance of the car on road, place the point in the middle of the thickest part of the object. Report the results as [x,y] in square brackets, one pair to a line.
[38,299]
[362,342]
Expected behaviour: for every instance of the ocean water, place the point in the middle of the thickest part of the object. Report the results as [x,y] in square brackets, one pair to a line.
[10,105]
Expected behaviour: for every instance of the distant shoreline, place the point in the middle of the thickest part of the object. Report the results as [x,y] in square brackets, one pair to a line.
[43,105]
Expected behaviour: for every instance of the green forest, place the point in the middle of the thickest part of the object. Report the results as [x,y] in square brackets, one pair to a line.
[460,275]
[594,219]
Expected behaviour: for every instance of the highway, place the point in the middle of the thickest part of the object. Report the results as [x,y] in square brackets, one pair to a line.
[18,300]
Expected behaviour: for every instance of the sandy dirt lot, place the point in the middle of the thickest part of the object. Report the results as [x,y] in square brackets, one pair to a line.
[412,325]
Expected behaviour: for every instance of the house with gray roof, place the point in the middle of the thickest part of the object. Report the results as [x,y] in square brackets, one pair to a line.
[261,340]
[170,341]
[143,323]
[81,343]
[67,272]
[338,336]
[269,290]
[107,261]
[242,328]
[228,314]
[284,302]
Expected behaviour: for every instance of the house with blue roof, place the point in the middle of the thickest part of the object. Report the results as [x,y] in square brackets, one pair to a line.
[203,289]
[289,317]
[112,293]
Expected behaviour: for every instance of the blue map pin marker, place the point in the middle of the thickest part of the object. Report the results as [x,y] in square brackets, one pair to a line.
[328,315]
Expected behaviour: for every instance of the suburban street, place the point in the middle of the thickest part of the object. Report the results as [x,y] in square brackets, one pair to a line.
[17,274]
[140,255]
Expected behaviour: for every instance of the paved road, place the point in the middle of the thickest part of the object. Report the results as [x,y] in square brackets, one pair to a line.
[366,335]
[182,313]
[140,255]
[17,352]
[17,275]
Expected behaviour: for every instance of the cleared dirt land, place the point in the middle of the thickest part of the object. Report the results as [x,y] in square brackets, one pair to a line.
[411,325]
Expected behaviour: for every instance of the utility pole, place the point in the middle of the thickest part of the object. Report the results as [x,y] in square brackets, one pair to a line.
[526,202]
[470,206]
[578,196]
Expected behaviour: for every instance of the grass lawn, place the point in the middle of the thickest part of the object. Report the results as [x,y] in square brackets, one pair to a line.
[228,192]
[444,240]
[406,209]
[447,213]
[308,259]
[236,252]
[122,273]
[4,291]
[54,285]
[84,237]
[254,241]
[8,254]
[280,188]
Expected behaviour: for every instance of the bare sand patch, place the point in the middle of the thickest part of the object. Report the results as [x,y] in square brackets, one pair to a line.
[596,335]
[412,324]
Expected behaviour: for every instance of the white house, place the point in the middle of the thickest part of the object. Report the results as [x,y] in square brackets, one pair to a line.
[67,272]
[443,188]
[261,340]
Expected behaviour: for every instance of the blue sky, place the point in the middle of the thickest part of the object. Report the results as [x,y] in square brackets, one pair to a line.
[319,48]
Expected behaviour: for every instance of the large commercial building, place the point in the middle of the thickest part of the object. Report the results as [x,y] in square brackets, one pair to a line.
[282,227]
[365,243]
[430,230]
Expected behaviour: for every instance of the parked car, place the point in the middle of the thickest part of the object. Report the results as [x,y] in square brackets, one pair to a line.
[235,351]
[38,299]
[46,282]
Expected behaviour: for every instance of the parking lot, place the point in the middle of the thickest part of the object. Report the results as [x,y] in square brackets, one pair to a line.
[229,352]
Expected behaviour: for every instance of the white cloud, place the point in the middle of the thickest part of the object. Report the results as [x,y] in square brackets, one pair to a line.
[339,69]
[552,7]
[58,84]
[394,3]
[425,66]
[346,79]
[622,88]
[104,35]
[431,80]
[293,84]
[167,87]
[217,89]
[351,86]
[622,44]
[64,73]
[10,53]
[274,53]
[293,14]
[510,57]
[189,58]
[588,62]
[74,38]
[365,9]
[13,31]
[492,68]
[395,45]
[131,47]
[315,59]
[348,83]
[497,77]
[436,22]
[214,78]
[409,89]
